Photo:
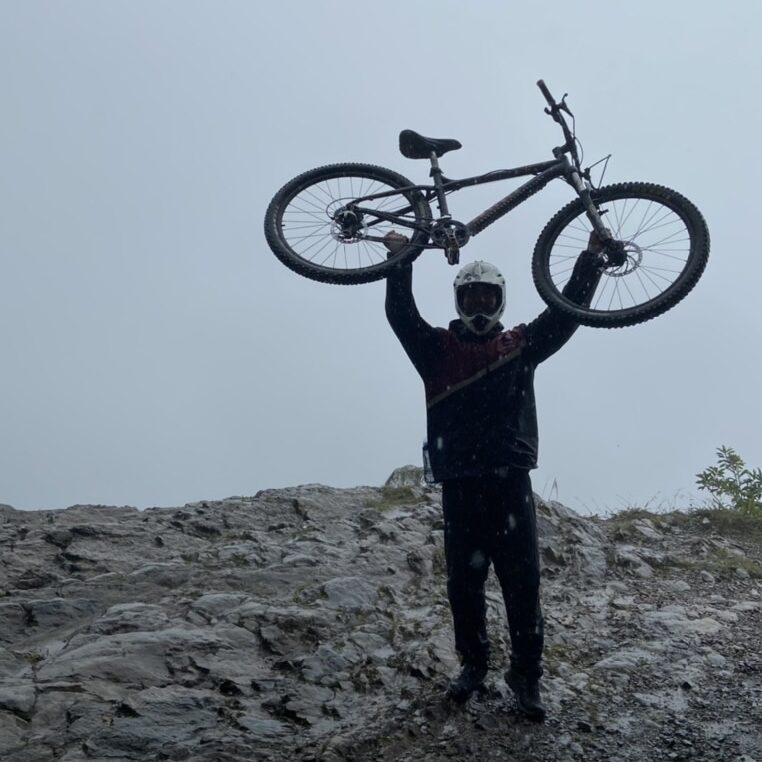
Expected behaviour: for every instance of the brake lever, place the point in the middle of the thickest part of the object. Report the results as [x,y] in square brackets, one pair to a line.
[559,107]
[563,107]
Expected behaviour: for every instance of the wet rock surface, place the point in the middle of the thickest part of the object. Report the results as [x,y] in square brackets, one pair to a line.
[312,624]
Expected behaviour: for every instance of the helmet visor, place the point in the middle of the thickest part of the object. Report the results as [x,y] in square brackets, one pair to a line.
[479,299]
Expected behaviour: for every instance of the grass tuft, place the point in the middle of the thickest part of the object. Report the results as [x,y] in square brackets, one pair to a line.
[392,497]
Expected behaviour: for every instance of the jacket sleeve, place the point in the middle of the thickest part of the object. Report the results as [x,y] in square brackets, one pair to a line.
[548,332]
[419,340]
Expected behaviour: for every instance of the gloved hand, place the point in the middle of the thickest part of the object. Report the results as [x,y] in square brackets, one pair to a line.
[394,242]
[594,243]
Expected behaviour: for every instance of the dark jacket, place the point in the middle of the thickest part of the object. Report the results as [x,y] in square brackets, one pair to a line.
[480,400]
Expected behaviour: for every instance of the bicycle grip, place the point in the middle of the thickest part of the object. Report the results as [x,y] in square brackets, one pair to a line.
[544,90]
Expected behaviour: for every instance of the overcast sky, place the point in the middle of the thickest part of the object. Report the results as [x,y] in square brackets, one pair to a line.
[155,352]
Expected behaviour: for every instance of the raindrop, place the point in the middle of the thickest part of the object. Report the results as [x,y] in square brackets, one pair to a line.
[511,521]
[478,559]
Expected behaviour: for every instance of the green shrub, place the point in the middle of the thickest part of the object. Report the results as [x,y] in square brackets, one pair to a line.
[731,485]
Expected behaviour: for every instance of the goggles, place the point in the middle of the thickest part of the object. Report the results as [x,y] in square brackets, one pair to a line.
[479,299]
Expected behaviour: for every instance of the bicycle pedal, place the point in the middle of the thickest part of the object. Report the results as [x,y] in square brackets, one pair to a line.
[453,255]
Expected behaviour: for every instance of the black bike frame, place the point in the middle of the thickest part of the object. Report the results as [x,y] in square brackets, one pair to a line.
[543,172]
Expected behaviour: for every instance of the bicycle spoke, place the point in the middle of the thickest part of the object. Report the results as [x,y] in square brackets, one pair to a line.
[320,250]
[670,238]
[627,288]
[600,293]
[582,224]
[317,202]
[664,270]
[559,273]
[611,301]
[643,221]
[618,229]
[306,225]
[567,237]
[296,239]
[657,248]
[648,276]
[310,225]
[569,246]
[659,224]
[306,212]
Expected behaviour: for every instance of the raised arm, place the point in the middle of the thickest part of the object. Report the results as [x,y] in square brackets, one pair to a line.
[548,332]
[419,340]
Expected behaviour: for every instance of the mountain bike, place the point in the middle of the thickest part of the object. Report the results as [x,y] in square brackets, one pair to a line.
[329,224]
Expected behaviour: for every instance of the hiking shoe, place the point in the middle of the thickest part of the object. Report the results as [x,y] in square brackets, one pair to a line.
[470,678]
[527,692]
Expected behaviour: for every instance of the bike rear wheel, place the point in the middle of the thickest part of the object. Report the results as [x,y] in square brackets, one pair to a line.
[326,224]
[666,242]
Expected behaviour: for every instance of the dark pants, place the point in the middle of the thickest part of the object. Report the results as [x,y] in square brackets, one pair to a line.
[492,519]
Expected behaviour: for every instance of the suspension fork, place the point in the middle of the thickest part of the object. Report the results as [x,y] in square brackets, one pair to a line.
[583,191]
[613,249]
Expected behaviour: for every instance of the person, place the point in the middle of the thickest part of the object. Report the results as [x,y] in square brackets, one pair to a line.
[482,442]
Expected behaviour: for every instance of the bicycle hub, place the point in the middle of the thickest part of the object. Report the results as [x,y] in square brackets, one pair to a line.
[616,253]
[347,224]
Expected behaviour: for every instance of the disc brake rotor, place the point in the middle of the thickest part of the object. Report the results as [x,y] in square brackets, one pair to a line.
[633,259]
[348,226]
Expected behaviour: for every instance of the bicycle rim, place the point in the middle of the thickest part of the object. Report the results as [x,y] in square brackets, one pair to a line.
[327,223]
[666,244]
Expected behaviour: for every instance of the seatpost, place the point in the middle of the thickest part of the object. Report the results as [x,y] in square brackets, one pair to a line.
[436,174]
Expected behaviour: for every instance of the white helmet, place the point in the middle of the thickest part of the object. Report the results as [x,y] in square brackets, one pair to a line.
[479,315]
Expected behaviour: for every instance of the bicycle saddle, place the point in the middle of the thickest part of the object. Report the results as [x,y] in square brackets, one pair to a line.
[415,146]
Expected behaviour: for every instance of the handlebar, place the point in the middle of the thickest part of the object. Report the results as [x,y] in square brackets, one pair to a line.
[555,112]
[544,90]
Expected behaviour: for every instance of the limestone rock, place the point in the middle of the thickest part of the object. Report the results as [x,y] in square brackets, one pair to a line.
[406,476]
[312,623]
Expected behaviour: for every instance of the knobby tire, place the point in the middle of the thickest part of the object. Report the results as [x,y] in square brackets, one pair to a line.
[649,268]
[307,200]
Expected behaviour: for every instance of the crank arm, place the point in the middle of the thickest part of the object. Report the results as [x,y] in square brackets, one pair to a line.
[380,239]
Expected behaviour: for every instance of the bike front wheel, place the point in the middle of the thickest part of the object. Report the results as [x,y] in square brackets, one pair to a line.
[666,243]
[328,224]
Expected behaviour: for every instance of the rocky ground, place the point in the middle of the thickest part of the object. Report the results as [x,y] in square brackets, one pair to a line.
[312,624]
